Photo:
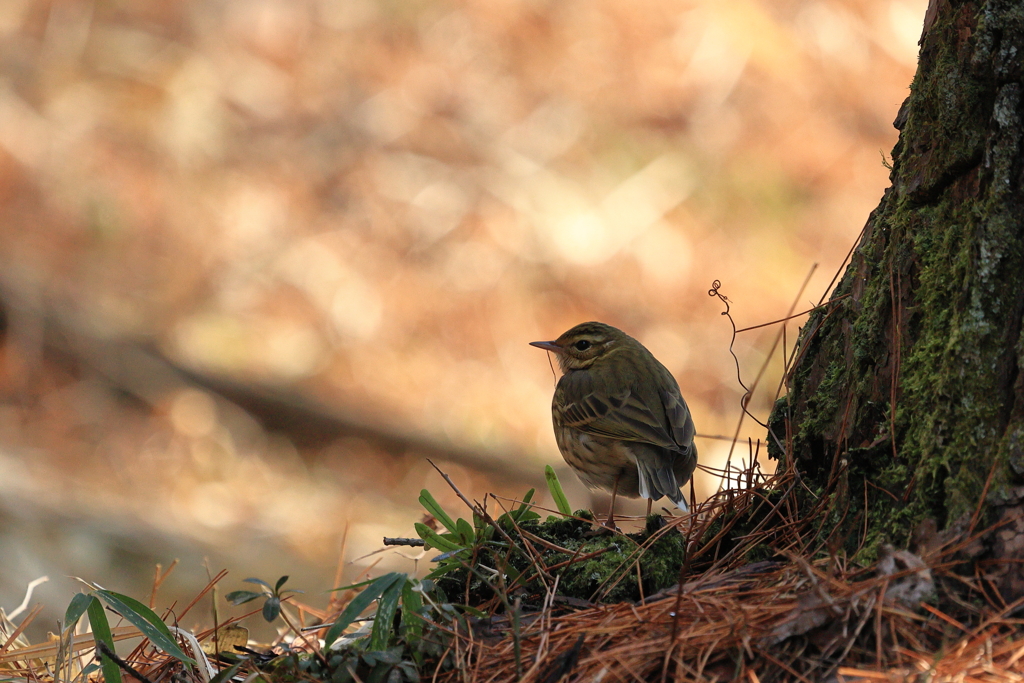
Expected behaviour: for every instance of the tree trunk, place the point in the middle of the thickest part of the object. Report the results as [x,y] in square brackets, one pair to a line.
[907,392]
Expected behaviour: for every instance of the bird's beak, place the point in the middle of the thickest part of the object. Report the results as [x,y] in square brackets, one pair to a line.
[547,346]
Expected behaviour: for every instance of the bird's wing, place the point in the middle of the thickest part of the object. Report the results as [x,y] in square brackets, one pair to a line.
[679,420]
[623,416]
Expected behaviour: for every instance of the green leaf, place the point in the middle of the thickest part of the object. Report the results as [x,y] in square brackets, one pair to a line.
[280,582]
[343,674]
[434,539]
[474,611]
[409,671]
[359,603]
[412,622]
[448,555]
[442,570]
[79,604]
[272,608]
[528,497]
[483,528]
[379,673]
[521,512]
[525,516]
[101,633]
[228,673]
[383,621]
[242,597]
[352,585]
[555,487]
[465,531]
[432,506]
[258,581]
[146,620]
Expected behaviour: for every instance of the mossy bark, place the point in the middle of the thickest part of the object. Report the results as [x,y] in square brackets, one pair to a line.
[907,392]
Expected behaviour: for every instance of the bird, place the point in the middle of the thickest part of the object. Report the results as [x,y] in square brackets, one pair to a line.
[620,420]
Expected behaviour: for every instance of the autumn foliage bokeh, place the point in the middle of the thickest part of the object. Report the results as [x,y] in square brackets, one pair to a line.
[377,204]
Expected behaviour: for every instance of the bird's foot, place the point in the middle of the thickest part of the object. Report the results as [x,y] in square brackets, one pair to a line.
[606,528]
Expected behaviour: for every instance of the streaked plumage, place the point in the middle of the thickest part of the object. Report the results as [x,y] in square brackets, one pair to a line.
[620,420]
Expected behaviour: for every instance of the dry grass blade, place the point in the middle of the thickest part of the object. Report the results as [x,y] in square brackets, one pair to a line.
[49,650]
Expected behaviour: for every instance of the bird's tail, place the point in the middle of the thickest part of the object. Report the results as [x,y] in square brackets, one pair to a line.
[679,500]
[657,481]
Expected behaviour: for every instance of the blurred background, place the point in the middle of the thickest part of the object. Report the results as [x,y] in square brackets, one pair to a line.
[260,258]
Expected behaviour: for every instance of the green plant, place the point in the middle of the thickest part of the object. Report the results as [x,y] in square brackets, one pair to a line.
[413,622]
[272,606]
[273,594]
[136,613]
[557,494]
[462,541]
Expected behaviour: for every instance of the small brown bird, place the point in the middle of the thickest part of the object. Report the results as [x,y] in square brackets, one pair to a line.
[620,421]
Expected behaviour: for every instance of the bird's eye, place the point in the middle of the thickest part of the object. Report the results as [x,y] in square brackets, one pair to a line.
[582,345]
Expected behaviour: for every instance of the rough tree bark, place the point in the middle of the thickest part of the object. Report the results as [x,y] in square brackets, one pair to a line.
[908,392]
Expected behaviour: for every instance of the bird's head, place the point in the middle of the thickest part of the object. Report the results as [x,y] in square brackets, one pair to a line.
[584,345]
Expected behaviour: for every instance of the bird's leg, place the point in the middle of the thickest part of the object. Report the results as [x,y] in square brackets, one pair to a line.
[611,509]
[650,502]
